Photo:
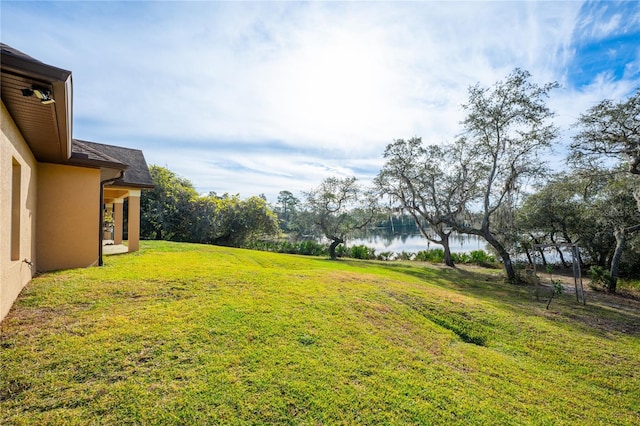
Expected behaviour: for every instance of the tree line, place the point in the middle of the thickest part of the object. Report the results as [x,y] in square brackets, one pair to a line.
[491,181]
[174,211]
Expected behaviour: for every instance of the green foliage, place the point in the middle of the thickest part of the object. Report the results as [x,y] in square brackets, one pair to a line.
[385,255]
[362,252]
[239,222]
[556,290]
[482,258]
[287,210]
[307,247]
[198,334]
[173,211]
[599,211]
[405,255]
[609,130]
[416,178]
[608,141]
[312,248]
[556,209]
[557,287]
[506,128]
[601,278]
[166,211]
[461,258]
[339,206]
[431,255]
[477,257]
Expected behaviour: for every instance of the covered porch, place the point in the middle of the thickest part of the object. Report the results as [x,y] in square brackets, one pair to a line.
[115,234]
[123,176]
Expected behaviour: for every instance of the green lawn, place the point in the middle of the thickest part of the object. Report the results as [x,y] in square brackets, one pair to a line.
[192,334]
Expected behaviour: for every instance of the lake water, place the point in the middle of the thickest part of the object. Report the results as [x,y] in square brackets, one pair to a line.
[413,243]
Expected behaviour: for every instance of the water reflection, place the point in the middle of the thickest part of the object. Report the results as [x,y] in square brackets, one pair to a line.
[415,242]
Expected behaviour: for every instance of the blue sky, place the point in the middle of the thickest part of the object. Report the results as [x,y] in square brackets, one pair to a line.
[259,97]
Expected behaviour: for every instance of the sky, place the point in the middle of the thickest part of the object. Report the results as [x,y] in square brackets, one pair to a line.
[259,97]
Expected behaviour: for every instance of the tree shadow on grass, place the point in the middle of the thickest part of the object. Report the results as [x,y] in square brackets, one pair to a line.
[599,316]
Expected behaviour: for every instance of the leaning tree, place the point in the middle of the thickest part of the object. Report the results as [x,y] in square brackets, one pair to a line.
[418,179]
[339,206]
[506,128]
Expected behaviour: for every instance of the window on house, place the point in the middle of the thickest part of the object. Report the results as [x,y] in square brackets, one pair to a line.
[16,184]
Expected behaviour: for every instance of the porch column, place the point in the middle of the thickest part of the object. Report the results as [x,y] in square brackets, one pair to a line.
[134,220]
[118,203]
[108,211]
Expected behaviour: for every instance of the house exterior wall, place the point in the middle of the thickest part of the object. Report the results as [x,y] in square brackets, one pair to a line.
[68,217]
[18,191]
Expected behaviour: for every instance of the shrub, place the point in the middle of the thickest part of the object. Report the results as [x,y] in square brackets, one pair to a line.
[385,255]
[433,256]
[311,248]
[601,279]
[482,258]
[405,255]
[362,252]
[460,257]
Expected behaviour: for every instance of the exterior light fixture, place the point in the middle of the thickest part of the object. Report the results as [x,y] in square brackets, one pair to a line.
[43,94]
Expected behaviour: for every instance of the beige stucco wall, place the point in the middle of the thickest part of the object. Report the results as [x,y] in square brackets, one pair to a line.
[15,274]
[133,229]
[68,216]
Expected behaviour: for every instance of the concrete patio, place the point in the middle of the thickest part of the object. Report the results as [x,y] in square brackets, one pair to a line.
[109,248]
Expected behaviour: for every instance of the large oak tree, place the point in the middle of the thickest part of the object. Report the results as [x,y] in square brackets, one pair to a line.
[506,128]
[339,206]
[424,181]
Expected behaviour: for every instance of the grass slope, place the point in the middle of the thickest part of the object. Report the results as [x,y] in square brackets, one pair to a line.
[191,334]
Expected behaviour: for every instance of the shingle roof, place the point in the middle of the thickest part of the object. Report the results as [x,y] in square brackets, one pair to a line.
[85,153]
[137,172]
[8,50]
[14,58]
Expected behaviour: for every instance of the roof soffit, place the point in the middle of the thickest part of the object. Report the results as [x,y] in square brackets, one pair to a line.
[46,128]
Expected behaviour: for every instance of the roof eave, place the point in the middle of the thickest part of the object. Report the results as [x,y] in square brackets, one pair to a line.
[122,184]
[59,80]
[63,94]
[32,68]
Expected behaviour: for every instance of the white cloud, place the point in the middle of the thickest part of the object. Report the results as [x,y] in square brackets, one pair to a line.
[265,96]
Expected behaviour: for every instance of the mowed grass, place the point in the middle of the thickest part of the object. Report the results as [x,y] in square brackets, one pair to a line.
[192,334]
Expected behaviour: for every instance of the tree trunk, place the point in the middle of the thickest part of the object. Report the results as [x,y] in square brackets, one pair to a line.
[540,250]
[332,248]
[564,262]
[553,240]
[504,254]
[526,251]
[448,260]
[621,242]
[439,229]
